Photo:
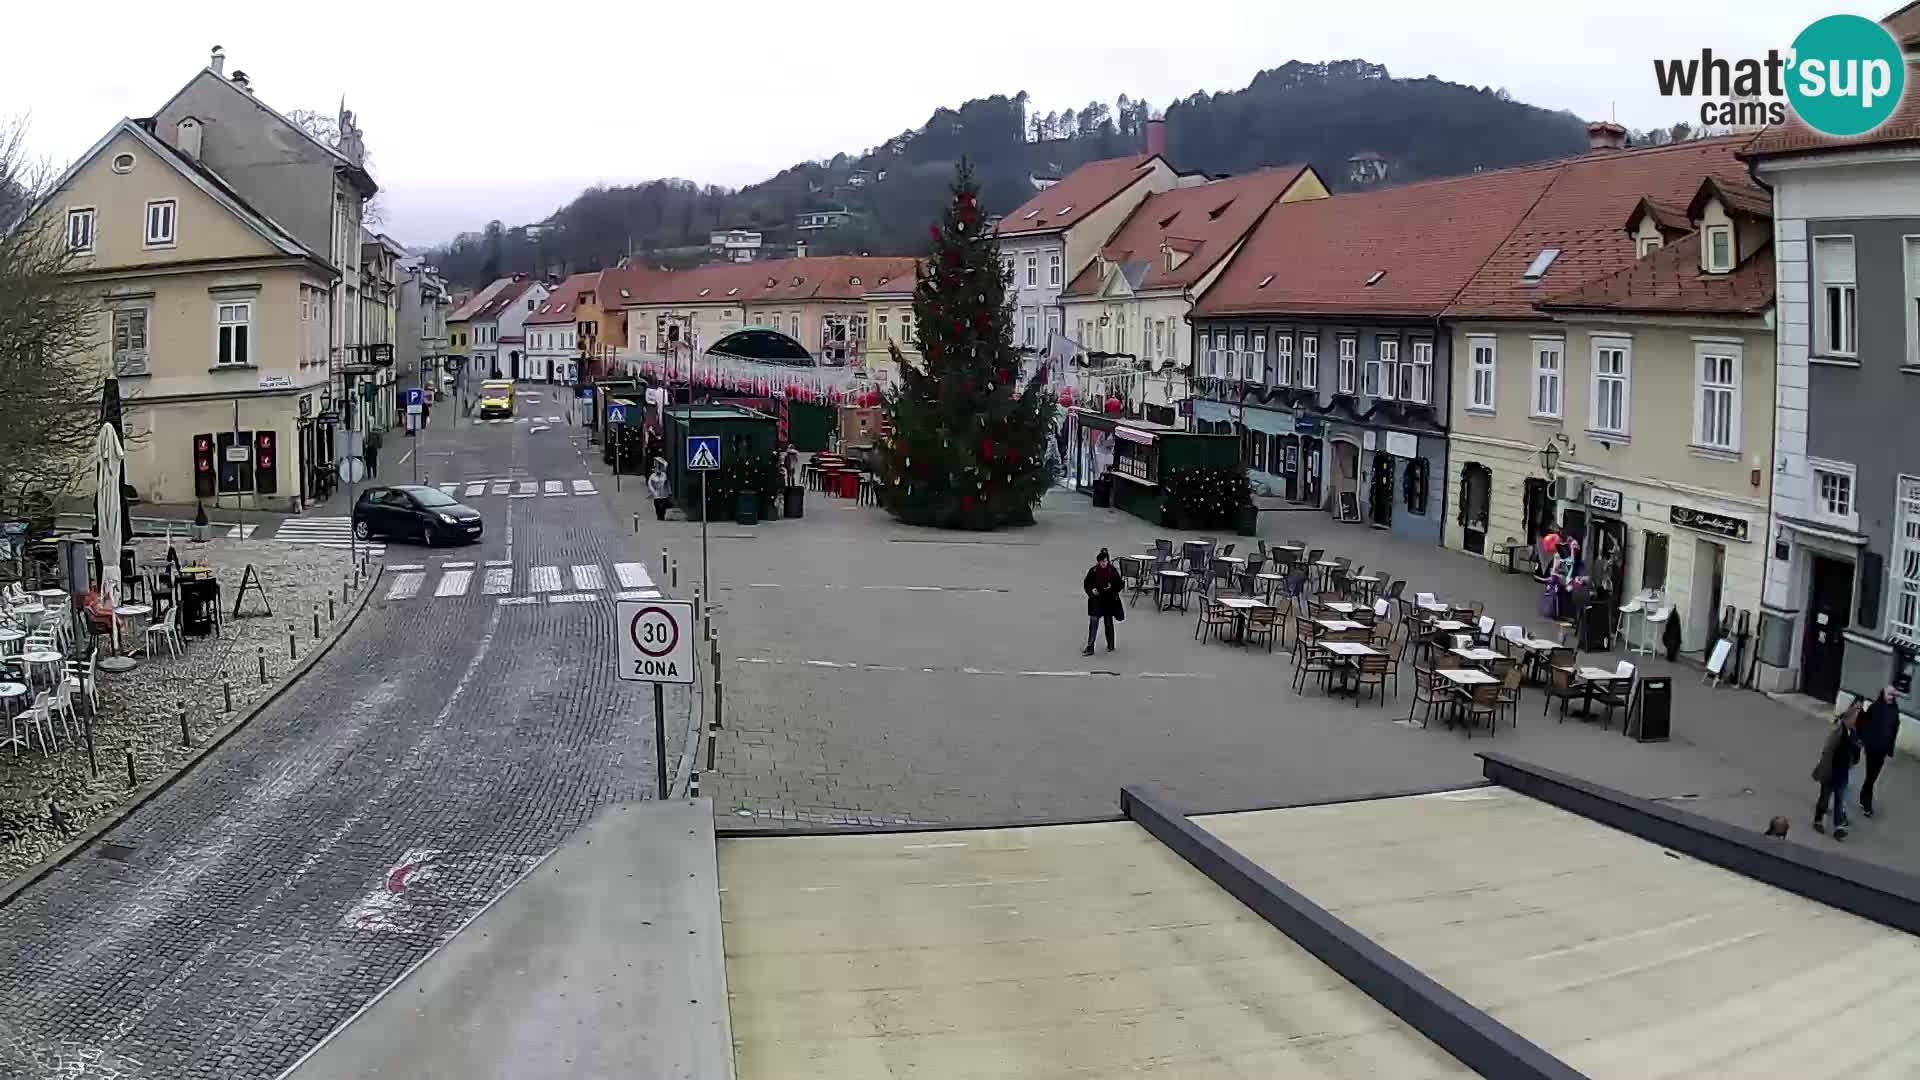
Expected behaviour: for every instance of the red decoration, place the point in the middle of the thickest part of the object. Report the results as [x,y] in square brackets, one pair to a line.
[934,231]
[966,503]
[1066,396]
[986,448]
[1113,406]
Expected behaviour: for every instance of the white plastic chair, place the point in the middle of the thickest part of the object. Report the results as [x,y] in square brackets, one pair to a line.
[60,707]
[38,720]
[1511,633]
[1380,609]
[168,631]
[1656,623]
[1424,598]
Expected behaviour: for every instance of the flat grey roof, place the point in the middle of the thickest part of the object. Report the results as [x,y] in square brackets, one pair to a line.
[1618,956]
[1068,950]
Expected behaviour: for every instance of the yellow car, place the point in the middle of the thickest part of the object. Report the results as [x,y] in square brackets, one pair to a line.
[496,398]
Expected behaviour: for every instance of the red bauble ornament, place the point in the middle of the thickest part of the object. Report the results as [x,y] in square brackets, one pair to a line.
[1066,396]
[966,503]
[933,231]
[986,448]
[1113,406]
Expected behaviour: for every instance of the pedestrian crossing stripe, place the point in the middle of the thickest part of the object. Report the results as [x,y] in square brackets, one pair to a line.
[327,532]
[633,575]
[545,579]
[453,583]
[588,577]
[515,489]
[589,582]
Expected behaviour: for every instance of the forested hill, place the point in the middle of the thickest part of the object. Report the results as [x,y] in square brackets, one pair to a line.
[1325,114]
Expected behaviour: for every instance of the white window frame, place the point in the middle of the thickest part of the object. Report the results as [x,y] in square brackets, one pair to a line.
[1910,250]
[881,328]
[1544,378]
[81,224]
[1834,284]
[1237,349]
[1283,359]
[1903,594]
[1483,373]
[1053,269]
[226,344]
[1033,270]
[1710,358]
[1309,361]
[1381,370]
[1257,361]
[131,361]
[1818,507]
[1646,246]
[1053,324]
[1713,233]
[1600,383]
[1347,349]
[170,217]
[1416,378]
[1033,327]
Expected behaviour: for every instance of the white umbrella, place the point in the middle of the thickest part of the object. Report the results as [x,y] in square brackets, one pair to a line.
[109,463]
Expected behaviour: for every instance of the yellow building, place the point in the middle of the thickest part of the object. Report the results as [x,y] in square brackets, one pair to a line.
[889,323]
[214,318]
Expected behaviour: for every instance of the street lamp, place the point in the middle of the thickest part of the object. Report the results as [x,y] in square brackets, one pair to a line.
[1549,457]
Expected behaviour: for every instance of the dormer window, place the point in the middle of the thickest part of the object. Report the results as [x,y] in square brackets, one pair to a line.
[1067,209]
[704,292]
[771,283]
[1646,246]
[854,280]
[1214,214]
[1537,269]
[1265,281]
[796,282]
[1719,243]
[735,291]
[1030,215]
[1374,278]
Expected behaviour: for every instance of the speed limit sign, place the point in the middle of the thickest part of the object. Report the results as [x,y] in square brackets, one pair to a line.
[655,640]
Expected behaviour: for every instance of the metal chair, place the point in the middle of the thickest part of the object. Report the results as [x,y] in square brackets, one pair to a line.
[1426,691]
[1214,619]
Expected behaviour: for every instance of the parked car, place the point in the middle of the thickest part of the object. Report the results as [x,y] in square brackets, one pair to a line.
[407,512]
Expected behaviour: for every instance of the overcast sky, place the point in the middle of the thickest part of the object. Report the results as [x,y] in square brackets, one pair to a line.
[473,112]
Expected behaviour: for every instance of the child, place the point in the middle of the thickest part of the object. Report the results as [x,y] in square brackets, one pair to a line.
[1837,756]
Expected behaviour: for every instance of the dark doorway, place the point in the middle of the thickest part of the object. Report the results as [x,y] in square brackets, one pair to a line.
[1290,465]
[1312,471]
[514,359]
[1382,491]
[1476,491]
[1829,598]
[1606,555]
[1538,508]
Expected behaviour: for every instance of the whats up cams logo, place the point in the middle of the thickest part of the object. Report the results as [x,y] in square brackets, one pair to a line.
[1843,76]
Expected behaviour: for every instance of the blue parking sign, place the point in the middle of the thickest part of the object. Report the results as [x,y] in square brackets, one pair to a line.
[416,395]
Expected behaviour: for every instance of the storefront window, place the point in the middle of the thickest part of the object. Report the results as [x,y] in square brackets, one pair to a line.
[1653,567]
[1130,459]
[1415,486]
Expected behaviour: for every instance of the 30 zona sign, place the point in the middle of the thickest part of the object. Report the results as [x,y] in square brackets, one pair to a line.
[655,640]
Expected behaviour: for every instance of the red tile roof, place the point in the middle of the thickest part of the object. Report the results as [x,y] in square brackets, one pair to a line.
[1904,25]
[1204,221]
[1670,281]
[1316,256]
[502,300]
[563,303]
[829,277]
[471,306]
[1795,137]
[1580,214]
[1078,194]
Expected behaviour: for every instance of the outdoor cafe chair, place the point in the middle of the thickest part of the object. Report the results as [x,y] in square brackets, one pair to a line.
[1614,693]
[1215,620]
[1426,691]
[1263,623]
[168,631]
[1371,671]
[1510,693]
[1311,659]
[1560,683]
[1169,591]
[1481,700]
[1163,547]
[1228,550]
[1255,563]
[37,719]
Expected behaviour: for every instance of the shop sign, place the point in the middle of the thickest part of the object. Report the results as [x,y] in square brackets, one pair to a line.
[1367,440]
[1309,425]
[1604,499]
[1403,444]
[1686,517]
[1132,436]
[276,382]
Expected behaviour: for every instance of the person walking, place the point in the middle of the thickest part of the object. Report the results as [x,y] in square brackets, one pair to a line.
[660,489]
[1878,730]
[370,449]
[1837,755]
[1102,585]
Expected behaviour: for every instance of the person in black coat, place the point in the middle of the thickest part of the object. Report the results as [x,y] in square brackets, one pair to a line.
[1838,752]
[1102,585]
[1878,730]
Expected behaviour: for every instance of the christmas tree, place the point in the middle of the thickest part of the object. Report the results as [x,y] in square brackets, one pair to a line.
[967,444]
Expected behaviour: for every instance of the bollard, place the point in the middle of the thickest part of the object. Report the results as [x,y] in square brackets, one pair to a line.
[227,688]
[132,780]
[316,620]
[676,574]
[693,786]
[186,739]
[261,652]
[663,562]
[636,524]
[696,603]
[329,609]
[343,590]
[719,702]
[713,733]
[293,649]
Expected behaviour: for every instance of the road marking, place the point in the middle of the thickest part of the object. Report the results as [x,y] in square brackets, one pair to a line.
[449,488]
[572,598]
[528,487]
[406,586]
[456,566]
[499,580]
[638,594]
[1061,674]
[633,575]
[454,583]
[537,429]
[1172,675]
[529,495]
[588,576]
[404,458]
[842,665]
[475,489]
[499,562]
[553,419]
[545,579]
[407,566]
[584,487]
[552,488]
[516,601]
[500,486]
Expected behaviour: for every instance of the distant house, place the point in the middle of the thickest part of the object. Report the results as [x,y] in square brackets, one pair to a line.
[735,245]
[822,219]
[1367,167]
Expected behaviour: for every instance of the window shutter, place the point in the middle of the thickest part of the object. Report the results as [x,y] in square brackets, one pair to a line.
[1871,573]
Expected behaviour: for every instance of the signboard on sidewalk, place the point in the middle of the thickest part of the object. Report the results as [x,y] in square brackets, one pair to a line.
[655,640]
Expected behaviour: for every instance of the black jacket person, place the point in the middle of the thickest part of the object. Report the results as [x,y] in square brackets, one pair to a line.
[1102,585]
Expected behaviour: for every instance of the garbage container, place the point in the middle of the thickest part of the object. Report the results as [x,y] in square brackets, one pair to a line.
[746,509]
[199,599]
[796,500]
[1102,490]
[1653,720]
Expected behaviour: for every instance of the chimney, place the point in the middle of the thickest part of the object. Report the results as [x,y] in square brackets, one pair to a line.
[240,80]
[219,61]
[1157,136]
[187,137]
[1606,135]
[799,249]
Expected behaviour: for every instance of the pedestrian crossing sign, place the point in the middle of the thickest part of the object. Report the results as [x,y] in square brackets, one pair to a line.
[703,452]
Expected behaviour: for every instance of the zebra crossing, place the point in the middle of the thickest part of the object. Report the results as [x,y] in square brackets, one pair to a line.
[517,489]
[520,420]
[576,583]
[327,532]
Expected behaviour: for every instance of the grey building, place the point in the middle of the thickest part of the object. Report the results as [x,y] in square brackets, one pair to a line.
[421,344]
[1322,344]
[1841,611]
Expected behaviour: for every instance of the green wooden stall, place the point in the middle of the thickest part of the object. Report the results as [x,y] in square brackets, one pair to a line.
[741,430]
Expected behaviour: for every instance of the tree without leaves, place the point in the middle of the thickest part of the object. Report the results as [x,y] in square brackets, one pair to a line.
[50,382]
[327,129]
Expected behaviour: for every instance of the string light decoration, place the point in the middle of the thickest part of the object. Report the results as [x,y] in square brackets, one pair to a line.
[1207,497]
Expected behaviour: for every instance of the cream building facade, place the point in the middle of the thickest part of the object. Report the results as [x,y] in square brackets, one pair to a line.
[214,319]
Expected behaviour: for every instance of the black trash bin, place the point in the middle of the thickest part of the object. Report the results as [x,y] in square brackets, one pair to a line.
[199,604]
[796,501]
[1103,490]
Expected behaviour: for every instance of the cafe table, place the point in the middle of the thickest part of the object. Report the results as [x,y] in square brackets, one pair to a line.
[1449,626]
[1476,655]
[1340,606]
[1240,605]
[13,697]
[1272,583]
[1340,626]
[43,658]
[29,614]
[1347,650]
[1179,578]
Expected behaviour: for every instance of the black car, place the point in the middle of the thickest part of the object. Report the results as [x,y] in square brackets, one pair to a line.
[406,512]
